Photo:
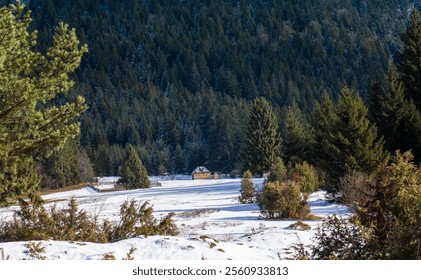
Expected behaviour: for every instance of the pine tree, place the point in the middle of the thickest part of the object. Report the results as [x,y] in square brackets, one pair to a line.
[397,118]
[263,142]
[409,59]
[29,125]
[133,173]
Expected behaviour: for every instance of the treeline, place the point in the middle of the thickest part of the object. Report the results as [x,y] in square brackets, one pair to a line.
[175,79]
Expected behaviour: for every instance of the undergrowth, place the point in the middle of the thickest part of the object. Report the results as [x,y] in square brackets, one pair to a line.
[35,222]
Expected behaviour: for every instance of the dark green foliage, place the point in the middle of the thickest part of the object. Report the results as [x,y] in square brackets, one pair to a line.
[409,59]
[397,118]
[335,239]
[133,173]
[263,142]
[68,166]
[35,222]
[247,192]
[346,140]
[298,137]
[186,80]
[323,121]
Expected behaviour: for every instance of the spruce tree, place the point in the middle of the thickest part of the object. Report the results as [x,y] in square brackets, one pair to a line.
[263,142]
[133,173]
[397,118]
[409,59]
[298,136]
[323,121]
[29,125]
[351,142]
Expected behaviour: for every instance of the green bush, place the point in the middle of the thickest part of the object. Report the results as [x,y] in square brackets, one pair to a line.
[278,171]
[247,192]
[306,176]
[282,200]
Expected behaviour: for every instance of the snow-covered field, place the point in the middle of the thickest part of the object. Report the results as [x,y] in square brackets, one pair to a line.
[212,224]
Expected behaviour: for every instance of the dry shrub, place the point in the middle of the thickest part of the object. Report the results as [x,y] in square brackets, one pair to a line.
[335,239]
[282,200]
[34,222]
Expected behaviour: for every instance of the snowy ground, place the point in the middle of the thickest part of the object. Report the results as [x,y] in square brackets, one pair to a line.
[212,224]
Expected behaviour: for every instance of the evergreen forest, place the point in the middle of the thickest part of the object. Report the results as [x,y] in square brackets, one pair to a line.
[176,80]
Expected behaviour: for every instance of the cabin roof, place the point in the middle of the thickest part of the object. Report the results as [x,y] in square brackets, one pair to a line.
[200,169]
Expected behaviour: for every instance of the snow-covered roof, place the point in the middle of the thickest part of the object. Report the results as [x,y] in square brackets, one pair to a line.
[200,169]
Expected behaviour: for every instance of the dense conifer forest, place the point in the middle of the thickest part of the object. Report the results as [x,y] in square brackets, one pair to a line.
[176,79]
[307,94]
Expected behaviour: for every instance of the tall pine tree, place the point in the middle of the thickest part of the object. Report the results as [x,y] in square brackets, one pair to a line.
[263,142]
[29,125]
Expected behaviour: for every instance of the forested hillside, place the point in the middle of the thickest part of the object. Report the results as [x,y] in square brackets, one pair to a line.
[176,78]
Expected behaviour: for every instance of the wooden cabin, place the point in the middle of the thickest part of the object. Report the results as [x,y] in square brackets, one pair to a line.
[201,172]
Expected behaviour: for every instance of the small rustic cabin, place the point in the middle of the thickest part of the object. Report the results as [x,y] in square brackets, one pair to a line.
[201,172]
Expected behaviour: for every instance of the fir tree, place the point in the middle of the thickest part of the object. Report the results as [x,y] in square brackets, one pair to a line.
[263,142]
[409,59]
[133,173]
[29,125]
